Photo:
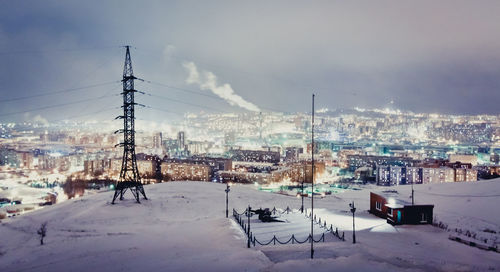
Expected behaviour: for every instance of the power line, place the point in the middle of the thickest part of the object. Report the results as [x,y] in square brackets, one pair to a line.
[56,105]
[184,58]
[183,102]
[20,52]
[59,91]
[184,90]
[289,81]
[201,93]
[251,75]
[107,47]
[104,109]
[164,110]
[86,114]
[106,83]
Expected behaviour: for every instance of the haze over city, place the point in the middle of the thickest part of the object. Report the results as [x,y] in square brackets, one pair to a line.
[255,136]
[426,57]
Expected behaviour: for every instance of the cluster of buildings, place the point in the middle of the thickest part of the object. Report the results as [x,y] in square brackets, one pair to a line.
[385,147]
[400,175]
[200,168]
[286,174]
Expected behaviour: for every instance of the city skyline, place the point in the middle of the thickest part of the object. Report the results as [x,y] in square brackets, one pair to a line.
[181,135]
[441,57]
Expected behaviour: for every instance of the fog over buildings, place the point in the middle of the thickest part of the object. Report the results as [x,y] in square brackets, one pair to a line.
[427,57]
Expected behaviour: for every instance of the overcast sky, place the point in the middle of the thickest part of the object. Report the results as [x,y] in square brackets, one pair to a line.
[424,56]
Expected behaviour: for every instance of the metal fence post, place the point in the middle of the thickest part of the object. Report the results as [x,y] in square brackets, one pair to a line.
[248,230]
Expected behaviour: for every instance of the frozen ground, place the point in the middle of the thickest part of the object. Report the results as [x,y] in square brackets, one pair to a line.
[17,190]
[183,228]
[292,223]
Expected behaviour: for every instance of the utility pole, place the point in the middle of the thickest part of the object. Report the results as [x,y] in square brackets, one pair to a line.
[227,198]
[353,210]
[129,174]
[302,188]
[312,182]
[248,229]
[260,126]
[412,194]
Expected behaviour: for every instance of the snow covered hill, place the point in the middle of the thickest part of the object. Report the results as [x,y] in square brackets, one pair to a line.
[183,228]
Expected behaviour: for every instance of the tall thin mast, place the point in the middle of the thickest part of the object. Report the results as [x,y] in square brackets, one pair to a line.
[312,181]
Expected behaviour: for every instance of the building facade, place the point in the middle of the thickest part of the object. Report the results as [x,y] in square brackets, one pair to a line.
[387,175]
[184,171]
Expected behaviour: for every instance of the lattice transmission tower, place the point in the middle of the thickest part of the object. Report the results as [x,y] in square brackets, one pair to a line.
[129,174]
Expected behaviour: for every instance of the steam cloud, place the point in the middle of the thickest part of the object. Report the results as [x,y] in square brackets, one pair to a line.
[38,119]
[208,81]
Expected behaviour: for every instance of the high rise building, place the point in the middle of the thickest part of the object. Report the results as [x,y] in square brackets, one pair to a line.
[181,142]
[157,140]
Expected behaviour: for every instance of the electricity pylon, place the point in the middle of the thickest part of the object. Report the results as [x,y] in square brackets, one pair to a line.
[129,174]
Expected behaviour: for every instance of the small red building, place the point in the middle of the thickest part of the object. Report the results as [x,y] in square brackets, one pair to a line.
[398,212]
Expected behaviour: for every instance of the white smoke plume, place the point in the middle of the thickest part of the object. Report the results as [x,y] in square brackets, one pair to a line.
[208,81]
[37,119]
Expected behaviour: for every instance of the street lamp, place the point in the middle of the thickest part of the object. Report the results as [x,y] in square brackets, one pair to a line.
[312,180]
[227,198]
[302,189]
[353,210]
[412,194]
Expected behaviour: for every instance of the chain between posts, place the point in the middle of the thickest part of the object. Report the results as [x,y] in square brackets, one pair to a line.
[317,220]
[324,225]
[291,240]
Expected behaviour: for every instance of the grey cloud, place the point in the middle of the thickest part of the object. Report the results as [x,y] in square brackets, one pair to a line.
[274,54]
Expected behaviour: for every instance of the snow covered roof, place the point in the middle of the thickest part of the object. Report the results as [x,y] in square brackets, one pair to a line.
[393,199]
[394,205]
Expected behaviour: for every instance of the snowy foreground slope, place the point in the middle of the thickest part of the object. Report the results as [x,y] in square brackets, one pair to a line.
[183,228]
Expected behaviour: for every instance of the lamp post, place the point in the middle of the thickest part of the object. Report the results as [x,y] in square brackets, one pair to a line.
[412,194]
[353,210]
[302,188]
[227,198]
[312,180]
